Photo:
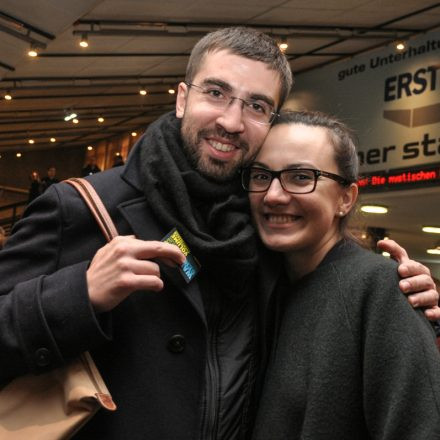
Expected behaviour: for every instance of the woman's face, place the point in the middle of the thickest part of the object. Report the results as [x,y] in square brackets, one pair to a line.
[299,222]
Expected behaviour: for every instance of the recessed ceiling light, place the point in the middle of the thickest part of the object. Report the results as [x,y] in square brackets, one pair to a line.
[400,45]
[31,141]
[142,91]
[100,119]
[18,154]
[84,42]
[133,133]
[90,148]
[8,96]
[53,140]
[386,254]
[75,121]
[171,91]
[435,251]
[431,229]
[374,209]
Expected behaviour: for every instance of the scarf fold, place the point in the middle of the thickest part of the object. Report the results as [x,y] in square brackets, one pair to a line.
[212,217]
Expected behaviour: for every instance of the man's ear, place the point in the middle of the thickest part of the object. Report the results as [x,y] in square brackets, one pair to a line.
[182,91]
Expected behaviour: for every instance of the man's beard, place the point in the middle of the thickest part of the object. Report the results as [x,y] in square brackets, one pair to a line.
[210,167]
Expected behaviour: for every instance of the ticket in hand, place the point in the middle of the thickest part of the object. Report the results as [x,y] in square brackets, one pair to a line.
[190,267]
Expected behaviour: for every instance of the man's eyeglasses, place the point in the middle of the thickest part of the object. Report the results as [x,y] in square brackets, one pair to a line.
[294,180]
[255,110]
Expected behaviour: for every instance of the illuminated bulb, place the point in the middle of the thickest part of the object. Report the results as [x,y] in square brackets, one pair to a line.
[118,154]
[364,236]
[8,96]
[435,251]
[18,154]
[431,229]
[53,140]
[386,254]
[70,116]
[283,45]
[171,91]
[100,119]
[400,45]
[142,91]
[374,209]
[33,52]
[75,121]
[133,133]
[31,141]
[90,148]
[84,42]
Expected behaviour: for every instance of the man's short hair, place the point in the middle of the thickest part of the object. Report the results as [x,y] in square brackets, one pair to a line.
[245,42]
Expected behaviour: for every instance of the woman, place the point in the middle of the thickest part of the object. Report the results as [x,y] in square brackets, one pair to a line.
[352,359]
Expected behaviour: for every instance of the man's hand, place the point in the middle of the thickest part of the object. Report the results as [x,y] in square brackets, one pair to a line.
[123,266]
[416,281]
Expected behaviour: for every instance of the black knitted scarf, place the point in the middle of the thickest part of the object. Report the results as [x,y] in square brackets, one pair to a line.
[212,217]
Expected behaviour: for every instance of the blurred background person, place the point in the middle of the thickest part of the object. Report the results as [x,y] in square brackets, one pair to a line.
[35,186]
[49,179]
[90,168]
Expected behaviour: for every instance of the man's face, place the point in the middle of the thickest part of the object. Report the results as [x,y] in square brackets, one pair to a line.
[219,141]
[51,172]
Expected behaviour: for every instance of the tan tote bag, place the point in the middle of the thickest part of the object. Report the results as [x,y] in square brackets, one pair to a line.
[55,405]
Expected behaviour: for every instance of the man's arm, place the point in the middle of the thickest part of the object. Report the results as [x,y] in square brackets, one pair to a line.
[416,281]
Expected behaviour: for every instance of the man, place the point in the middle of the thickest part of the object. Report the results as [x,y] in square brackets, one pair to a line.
[179,358]
[90,168]
[49,179]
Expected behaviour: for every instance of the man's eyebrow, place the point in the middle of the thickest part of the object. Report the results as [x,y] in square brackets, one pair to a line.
[217,82]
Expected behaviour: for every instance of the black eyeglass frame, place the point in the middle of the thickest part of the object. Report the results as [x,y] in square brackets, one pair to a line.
[278,175]
[273,113]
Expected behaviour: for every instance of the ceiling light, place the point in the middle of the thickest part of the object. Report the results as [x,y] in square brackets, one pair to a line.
[435,251]
[69,116]
[431,229]
[400,45]
[31,141]
[374,209]
[117,153]
[90,148]
[101,119]
[171,91]
[283,44]
[18,154]
[84,41]
[75,121]
[133,133]
[8,96]
[53,140]
[33,51]
[386,254]
[142,91]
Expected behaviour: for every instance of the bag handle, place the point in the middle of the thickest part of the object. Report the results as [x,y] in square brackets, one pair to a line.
[96,206]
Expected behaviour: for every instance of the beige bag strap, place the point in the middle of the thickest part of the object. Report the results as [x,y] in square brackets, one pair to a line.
[96,206]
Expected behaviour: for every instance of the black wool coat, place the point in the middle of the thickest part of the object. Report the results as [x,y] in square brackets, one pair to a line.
[152,350]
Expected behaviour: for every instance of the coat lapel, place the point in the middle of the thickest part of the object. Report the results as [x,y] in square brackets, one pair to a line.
[138,215]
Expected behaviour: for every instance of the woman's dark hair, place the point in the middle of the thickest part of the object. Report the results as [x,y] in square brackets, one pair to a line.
[343,140]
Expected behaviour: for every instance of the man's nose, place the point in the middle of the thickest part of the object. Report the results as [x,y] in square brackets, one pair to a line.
[231,118]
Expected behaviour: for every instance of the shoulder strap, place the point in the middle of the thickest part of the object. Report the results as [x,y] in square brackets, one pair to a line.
[96,206]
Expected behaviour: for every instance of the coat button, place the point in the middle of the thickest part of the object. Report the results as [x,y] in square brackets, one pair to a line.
[176,344]
[42,357]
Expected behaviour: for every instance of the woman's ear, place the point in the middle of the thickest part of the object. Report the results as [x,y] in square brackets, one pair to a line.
[348,198]
[182,92]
